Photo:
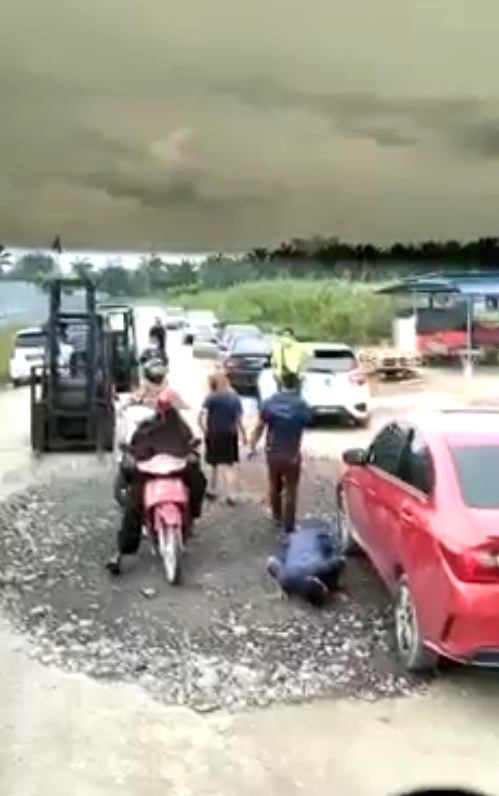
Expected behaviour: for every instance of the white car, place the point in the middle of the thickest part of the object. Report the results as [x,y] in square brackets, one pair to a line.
[333,384]
[29,352]
[197,320]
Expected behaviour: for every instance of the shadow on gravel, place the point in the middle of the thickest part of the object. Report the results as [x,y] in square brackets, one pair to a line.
[224,638]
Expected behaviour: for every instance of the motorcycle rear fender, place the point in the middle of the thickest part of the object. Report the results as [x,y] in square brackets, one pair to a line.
[165,491]
[162,464]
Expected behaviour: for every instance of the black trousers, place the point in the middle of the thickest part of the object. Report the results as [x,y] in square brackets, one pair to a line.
[130,532]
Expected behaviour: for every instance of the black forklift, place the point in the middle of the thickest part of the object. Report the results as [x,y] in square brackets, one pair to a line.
[124,354]
[72,394]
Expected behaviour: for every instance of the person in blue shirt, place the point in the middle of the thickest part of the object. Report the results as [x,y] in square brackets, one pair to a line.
[284,416]
[309,562]
[221,421]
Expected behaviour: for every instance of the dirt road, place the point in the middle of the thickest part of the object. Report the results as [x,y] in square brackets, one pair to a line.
[63,733]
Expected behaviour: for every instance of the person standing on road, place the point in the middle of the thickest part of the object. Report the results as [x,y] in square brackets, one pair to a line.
[221,422]
[288,356]
[157,334]
[284,416]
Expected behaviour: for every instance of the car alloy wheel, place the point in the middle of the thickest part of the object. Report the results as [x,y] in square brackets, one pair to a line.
[410,647]
[349,545]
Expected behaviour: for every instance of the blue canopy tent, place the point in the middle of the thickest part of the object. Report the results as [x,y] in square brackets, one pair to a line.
[465,284]
[473,284]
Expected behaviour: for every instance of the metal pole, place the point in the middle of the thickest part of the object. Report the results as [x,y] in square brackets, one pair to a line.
[468,362]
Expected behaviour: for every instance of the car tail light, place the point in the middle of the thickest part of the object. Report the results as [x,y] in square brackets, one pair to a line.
[477,565]
[357,377]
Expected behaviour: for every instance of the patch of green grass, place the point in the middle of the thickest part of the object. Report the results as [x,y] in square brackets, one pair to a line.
[7,334]
[317,310]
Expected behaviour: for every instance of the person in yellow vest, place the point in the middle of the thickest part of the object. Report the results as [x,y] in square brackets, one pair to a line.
[288,356]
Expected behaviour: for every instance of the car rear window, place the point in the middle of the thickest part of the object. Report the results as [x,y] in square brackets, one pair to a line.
[477,470]
[230,331]
[31,340]
[339,360]
[250,345]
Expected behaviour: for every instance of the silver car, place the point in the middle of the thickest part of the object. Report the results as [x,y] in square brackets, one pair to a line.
[197,320]
[205,343]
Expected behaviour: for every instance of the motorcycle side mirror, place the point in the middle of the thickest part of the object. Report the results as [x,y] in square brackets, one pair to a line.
[355,457]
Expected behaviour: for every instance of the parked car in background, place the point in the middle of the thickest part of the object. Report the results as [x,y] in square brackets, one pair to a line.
[421,501]
[29,351]
[205,343]
[175,318]
[232,330]
[334,385]
[245,359]
[198,319]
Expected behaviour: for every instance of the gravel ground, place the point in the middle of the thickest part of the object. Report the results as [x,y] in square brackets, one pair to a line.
[225,638]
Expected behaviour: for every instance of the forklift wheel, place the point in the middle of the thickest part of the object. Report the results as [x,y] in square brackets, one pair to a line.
[105,431]
[38,429]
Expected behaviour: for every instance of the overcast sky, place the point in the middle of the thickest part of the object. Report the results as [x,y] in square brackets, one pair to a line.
[228,123]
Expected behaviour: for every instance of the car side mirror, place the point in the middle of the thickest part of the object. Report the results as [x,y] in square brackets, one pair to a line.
[355,456]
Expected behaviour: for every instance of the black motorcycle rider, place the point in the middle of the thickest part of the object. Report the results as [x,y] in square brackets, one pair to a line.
[167,432]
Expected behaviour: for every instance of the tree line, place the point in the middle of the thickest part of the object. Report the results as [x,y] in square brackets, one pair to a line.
[317,258]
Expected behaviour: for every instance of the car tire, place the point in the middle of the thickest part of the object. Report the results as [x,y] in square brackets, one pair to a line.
[413,653]
[106,427]
[349,545]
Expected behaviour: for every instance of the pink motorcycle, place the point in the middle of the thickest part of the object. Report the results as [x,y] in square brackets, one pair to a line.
[167,523]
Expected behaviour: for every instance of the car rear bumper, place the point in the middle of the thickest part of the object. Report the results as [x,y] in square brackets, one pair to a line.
[359,411]
[470,631]
[22,372]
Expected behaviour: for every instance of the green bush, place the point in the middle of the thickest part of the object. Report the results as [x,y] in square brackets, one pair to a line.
[321,310]
[6,339]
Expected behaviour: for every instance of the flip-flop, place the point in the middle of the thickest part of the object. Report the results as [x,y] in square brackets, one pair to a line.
[114,567]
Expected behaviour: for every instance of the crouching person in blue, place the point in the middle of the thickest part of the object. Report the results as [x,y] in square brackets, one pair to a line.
[308,563]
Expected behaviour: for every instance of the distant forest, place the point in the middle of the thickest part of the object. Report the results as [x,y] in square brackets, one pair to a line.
[314,258]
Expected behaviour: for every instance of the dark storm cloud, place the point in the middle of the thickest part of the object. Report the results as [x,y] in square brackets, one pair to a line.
[165,120]
[388,121]
[481,138]
[174,192]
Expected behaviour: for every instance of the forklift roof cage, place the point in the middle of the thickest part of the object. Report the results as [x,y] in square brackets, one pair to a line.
[73,405]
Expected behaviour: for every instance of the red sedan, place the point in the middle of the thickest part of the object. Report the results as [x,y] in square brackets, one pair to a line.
[422,502]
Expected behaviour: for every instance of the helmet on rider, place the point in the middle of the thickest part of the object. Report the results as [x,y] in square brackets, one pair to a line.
[155,371]
[165,400]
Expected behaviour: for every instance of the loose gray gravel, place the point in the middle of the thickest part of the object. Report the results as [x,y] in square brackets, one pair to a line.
[225,638]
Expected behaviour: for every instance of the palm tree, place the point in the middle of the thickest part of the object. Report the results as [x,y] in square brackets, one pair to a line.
[82,268]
